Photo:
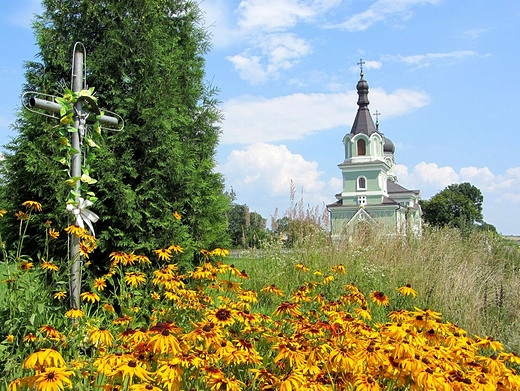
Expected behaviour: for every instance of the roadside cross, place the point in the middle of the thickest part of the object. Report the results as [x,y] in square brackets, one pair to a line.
[81,118]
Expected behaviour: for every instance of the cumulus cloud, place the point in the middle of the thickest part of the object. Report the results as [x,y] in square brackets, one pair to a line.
[499,190]
[261,175]
[272,53]
[380,11]
[250,119]
[276,15]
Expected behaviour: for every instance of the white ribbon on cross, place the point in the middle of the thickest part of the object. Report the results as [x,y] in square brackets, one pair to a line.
[83,215]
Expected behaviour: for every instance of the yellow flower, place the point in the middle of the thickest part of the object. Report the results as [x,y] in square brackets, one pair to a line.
[155,296]
[33,206]
[53,234]
[10,338]
[90,296]
[379,298]
[366,383]
[134,279]
[76,231]
[220,252]
[49,266]
[164,342]
[101,336]
[21,215]
[50,332]
[130,369]
[164,254]
[60,295]
[175,248]
[407,290]
[2,212]
[53,379]
[108,307]
[272,289]
[177,215]
[100,284]
[75,313]
[43,358]
[25,265]
[29,338]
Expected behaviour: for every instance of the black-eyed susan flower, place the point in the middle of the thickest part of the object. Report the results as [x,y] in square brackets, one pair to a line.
[2,212]
[29,338]
[26,265]
[108,307]
[99,284]
[75,313]
[380,298]
[366,383]
[300,266]
[407,290]
[177,215]
[163,254]
[119,257]
[60,295]
[273,290]
[134,279]
[122,320]
[176,248]
[52,379]
[53,233]
[132,369]
[101,337]
[44,358]
[220,316]
[75,230]
[219,252]
[21,216]
[49,266]
[169,375]
[33,206]
[90,297]
[287,308]
[50,332]
[10,338]
[164,342]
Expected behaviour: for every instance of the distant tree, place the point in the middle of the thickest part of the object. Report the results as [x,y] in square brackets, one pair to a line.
[458,206]
[245,228]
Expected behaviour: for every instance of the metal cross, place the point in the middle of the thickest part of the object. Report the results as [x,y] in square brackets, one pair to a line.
[377,114]
[81,117]
[360,63]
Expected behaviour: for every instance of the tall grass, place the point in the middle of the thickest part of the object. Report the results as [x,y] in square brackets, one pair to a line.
[472,278]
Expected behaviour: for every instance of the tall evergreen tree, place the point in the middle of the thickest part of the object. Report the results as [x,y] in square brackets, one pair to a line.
[146,62]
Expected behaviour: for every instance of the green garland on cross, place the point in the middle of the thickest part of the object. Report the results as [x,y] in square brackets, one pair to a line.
[88,142]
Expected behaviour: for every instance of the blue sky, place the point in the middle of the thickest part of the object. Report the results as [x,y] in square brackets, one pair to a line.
[442,73]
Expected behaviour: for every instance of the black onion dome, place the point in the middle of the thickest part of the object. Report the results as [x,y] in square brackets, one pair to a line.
[389,146]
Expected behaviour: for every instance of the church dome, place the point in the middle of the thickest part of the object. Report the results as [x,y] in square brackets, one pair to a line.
[389,146]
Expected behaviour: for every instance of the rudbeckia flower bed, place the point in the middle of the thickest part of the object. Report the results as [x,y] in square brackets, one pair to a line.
[142,327]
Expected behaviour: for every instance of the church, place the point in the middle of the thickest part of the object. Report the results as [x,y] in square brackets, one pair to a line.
[371,196]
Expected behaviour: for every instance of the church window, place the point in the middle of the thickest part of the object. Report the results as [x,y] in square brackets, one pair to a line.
[361,148]
[362,200]
[361,183]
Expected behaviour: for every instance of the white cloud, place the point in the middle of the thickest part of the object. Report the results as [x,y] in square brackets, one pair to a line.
[425,60]
[474,34]
[278,15]
[499,191]
[366,65]
[250,119]
[382,10]
[261,175]
[280,51]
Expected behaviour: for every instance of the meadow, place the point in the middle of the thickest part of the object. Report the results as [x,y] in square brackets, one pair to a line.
[376,313]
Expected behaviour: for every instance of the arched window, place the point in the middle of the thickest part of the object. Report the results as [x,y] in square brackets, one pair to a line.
[361,148]
[361,183]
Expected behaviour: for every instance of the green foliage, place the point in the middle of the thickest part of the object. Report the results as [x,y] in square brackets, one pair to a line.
[246,229]
[146,60]
[458,206]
